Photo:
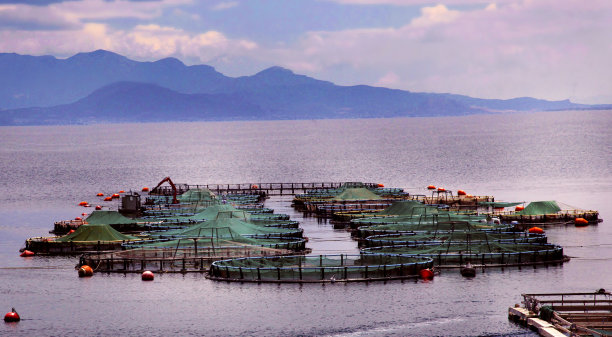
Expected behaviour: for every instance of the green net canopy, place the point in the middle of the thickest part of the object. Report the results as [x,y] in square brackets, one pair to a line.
[360,193]
[220,210]
[456,236]
[408,207]
[237,225]
[108,218]
[94,233]
[455,254]
[419,219]
[540,208]
[197,195]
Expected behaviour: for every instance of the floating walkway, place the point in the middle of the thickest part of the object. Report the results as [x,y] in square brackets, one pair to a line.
[566,314]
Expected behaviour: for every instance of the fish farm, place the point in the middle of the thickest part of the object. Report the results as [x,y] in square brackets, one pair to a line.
[226,232]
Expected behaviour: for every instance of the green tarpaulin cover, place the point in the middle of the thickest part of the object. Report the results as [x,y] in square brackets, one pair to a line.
[408,207]
[94,233]
[108,218]
[197,195]
[357,194]
[541,208]
[222,223]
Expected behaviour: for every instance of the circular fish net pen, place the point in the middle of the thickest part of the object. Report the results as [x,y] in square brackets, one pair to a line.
[199,243]
[319,268]
[479,254]
[446,226]
[440,237]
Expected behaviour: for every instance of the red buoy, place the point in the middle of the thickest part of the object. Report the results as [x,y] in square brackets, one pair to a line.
[381,185]
[426,274]
[100,194]
[145,189]
[122,191]
[431,187]
[12,316]
[78,218]
[98,208]
[441,189]
[108,199]
[581,222]
[83,203]
[26,253]
[461,192]
[536,230]
[85,271]
[254,186]
[71,231]
[148,276]
[519,208]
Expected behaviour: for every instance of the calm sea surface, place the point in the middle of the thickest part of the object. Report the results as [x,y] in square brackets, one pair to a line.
[46,171]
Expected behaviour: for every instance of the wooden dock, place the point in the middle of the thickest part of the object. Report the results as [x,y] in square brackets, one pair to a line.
[255,188]
[566,314]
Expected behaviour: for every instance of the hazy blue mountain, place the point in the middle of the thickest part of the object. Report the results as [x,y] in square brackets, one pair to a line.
[136,102]
[28,81]
[102,86]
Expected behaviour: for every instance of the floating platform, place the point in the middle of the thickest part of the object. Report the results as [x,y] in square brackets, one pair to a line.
[566,314]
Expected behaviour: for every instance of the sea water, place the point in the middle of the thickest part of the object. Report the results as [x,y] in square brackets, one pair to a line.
[45,171]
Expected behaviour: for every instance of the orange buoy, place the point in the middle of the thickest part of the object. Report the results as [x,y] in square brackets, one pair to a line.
[431,187]
[12,316]
[381,185]
[147,275]
[83,203]
[122,191]
[78,218]
[461,192]
[426,274]
[469,196]
[519,208]
[85,271]
[581,222]
[254,186]
[145,189]
[71,231]
[27,253]
[108,199]
[98,208]
[116,195]
[441,189]
[100,194]
[536,230]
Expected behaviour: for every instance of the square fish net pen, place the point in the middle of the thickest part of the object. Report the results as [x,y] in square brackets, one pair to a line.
[172,260]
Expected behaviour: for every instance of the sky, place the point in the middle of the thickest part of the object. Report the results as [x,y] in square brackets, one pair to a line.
[549,49]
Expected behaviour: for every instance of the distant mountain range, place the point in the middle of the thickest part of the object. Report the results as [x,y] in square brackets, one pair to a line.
[102,86]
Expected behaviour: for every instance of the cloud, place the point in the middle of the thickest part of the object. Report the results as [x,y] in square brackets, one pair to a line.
[19,16]
[72,14]
[435,15]
[142,42]
[390,79]
[225,5]
[412,2]
[545,48]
